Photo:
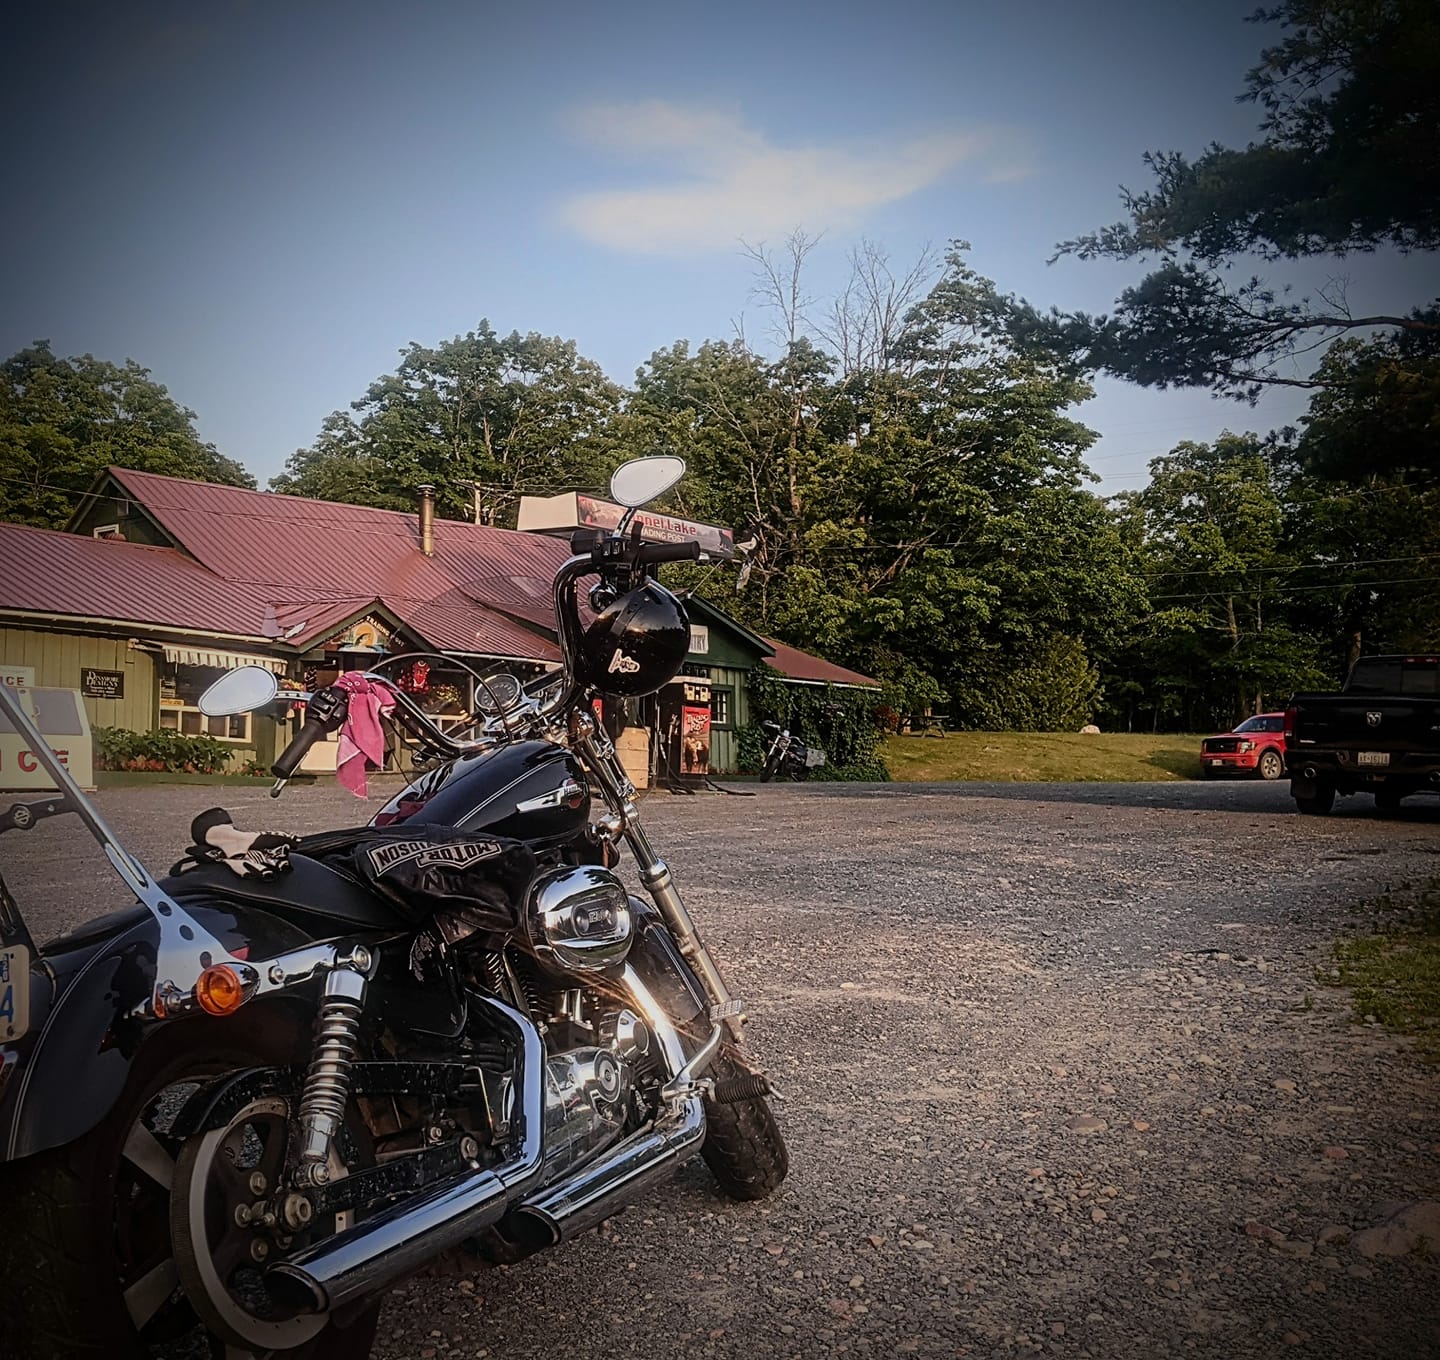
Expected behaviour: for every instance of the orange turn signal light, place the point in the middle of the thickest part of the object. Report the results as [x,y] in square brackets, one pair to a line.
[219,990]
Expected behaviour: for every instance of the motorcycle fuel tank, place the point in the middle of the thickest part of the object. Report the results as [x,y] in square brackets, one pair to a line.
[533,791]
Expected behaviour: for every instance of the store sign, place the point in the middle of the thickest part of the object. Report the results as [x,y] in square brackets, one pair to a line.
[575,510]
[102,684]
[695,730]
[699,638]
[18,677]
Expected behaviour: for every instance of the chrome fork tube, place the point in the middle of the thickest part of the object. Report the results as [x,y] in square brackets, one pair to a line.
[655,874]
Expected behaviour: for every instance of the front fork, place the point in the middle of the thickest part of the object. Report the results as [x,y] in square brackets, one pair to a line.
[599,754]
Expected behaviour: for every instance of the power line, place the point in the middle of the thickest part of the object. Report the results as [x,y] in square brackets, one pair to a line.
[1295,590]
[1305,566]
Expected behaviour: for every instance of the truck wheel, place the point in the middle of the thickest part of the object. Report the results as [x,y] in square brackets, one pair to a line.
[1318,803]
[1271,766]
[1387,800]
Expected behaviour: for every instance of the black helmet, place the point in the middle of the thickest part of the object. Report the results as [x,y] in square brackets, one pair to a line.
[637,643]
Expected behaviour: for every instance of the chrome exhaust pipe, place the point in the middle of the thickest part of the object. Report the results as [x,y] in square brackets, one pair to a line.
[1309,772]
[569,1206]
[400,1239]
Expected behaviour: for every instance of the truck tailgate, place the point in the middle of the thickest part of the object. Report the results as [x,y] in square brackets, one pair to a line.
[1366,722]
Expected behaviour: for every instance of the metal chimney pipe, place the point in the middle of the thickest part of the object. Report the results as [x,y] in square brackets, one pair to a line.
[427,520]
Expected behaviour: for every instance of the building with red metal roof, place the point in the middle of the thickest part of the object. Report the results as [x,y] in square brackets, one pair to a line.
[161,582]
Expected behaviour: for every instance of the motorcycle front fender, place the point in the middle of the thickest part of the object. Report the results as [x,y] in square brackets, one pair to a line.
[86,989]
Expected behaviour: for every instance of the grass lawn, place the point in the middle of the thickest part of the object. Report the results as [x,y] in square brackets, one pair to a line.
[1062,756]
[1394,975]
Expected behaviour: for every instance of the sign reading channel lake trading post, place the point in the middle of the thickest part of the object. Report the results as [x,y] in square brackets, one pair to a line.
[575,510]
[102,684]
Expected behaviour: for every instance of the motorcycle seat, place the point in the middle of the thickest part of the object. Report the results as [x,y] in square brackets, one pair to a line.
[311,888]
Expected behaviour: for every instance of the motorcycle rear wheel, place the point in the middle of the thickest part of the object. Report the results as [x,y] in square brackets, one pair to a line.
[88,1242]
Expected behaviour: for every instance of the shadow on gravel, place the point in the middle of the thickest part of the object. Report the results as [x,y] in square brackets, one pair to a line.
[1239,796]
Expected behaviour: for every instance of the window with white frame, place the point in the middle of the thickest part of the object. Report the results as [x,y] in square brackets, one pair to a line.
[180,693]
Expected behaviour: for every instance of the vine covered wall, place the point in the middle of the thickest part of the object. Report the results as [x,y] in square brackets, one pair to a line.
[845,722]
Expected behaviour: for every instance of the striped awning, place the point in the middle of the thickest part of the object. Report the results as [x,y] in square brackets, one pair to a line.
[208,656]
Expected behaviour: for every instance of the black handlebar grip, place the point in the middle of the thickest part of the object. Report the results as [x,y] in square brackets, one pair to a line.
[650,554]
[323,714]
[288,761]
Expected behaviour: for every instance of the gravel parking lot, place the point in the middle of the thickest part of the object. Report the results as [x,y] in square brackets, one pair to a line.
[1058,1079]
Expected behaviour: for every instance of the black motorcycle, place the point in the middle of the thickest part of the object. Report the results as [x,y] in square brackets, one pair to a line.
[234,1114]
[787,756]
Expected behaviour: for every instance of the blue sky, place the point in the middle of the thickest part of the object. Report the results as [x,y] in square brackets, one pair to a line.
[263,203]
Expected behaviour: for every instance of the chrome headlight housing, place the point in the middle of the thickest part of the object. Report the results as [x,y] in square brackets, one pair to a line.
[578,920]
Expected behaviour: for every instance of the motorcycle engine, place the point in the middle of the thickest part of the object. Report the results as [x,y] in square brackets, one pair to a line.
[588,1089]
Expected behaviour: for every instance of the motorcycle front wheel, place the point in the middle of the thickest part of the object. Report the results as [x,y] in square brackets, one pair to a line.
[88,1265]
[744,1147]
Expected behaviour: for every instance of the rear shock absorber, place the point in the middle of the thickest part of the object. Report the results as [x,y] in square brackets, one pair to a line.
[327,1083]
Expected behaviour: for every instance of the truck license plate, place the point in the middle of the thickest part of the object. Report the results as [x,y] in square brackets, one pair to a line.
[1372,757]
[14,993]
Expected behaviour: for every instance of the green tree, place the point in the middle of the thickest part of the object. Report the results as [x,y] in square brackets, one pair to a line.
[918,507]
[63,421]
[1219,643]
[1371,550]
[513,414]
[1348,161]
[1377,411]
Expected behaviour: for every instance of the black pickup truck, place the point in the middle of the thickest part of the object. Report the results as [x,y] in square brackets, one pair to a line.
[1380,735]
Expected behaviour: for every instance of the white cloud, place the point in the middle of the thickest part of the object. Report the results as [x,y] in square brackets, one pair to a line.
[720,180]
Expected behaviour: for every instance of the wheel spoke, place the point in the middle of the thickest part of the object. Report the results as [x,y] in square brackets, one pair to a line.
[143,1150]
[144,1298]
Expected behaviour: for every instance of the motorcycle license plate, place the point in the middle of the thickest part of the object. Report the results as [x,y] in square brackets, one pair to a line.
[14,992]
[1372,757]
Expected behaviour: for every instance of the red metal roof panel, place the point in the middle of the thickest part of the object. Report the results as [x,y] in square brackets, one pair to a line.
[45,572]
[333,550]
[794,664]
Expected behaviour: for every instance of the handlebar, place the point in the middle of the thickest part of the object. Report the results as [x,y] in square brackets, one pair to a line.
[652,554]
[323,714]
[327,708]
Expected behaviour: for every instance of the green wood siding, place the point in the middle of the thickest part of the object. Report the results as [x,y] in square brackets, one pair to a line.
[113,506]
[58,659]
[722,739]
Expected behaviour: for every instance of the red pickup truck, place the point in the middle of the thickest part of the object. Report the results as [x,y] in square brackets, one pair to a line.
[1257,746]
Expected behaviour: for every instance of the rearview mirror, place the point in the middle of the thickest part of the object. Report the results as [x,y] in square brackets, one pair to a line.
[241,691]
[641,480]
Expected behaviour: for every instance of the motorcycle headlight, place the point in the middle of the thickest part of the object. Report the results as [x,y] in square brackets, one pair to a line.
[579,919]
